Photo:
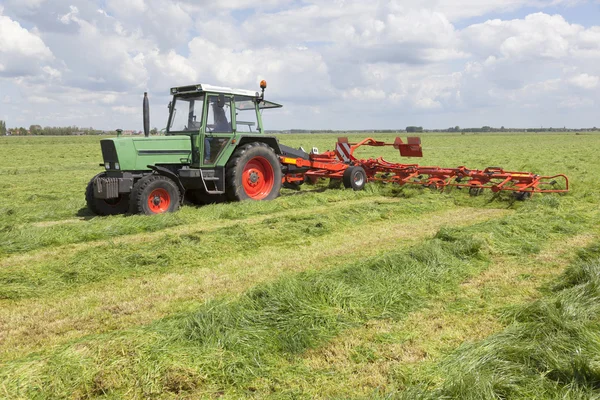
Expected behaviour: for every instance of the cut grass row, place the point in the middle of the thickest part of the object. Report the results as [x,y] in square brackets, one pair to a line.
[57,238]
[385,356]
[200,248]
[241,345]
[29,324]
[550,350]
[25,238]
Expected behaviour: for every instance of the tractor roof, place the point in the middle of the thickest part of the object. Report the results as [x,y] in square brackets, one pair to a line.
[203,87]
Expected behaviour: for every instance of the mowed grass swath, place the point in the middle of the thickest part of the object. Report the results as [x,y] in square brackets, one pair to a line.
[318,293]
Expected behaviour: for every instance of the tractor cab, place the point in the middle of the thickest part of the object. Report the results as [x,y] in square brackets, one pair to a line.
[214,117]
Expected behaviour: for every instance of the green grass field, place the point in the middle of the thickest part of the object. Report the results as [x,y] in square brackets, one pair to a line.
[391,292]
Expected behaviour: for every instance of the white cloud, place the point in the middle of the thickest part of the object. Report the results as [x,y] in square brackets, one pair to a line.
[585,81]
[70,16]
[126,110]
[21,51]
[51,72]
[39,99]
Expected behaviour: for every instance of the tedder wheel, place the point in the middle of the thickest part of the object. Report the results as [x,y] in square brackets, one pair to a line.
[120,205]
[154,194]
[355,178]
[253,173]
[475,191]
[522,196]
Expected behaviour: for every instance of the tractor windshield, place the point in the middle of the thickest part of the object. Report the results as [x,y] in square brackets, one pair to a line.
[186,114]
[245,111]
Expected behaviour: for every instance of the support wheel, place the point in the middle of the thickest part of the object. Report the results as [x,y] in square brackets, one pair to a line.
[355,178]
[154,194]
[117,206]
[253,173]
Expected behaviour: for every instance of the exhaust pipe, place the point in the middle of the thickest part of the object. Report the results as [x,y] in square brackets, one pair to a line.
[146,108]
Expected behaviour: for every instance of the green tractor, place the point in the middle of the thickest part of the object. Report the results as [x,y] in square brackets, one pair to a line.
[214,149]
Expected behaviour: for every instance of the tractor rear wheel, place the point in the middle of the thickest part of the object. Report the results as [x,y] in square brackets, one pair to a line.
[253,173]
[154,194]
[120,205]
[355,178]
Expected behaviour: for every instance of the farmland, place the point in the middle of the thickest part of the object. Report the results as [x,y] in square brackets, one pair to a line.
[391,292]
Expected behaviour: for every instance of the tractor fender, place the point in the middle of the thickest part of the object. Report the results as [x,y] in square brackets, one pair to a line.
[169,174]
[271,141]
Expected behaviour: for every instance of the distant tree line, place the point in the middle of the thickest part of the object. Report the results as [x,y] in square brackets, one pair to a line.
[418,129]
[503,129]
[37,130]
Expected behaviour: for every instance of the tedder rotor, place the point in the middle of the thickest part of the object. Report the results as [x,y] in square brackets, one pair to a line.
[215,149]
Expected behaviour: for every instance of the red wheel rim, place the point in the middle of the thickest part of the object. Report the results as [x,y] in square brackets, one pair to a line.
[159,201]
[258,178]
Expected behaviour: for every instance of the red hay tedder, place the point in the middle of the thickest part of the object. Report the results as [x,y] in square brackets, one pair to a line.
[342,165]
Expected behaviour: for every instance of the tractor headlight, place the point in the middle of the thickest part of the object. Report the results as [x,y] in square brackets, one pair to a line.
[117,165]
[107,165]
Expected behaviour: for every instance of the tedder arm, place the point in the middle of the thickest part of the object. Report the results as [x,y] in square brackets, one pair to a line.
[332,164]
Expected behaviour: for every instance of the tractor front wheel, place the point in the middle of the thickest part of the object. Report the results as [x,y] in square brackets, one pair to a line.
[154,194]
[102,207]
[355,177]
[253,173]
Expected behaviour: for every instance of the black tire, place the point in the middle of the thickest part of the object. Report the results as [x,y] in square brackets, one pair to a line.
[102,207]
[199,197]
[475,191]
[241,168]
[355,178]
[154,194]
[522,196]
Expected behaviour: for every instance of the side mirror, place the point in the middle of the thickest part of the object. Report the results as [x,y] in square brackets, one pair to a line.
[170,105]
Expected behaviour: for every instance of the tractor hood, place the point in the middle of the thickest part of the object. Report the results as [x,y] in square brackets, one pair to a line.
[136,153]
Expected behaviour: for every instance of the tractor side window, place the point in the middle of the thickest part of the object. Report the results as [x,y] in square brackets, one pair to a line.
[245,114]
[186,114]
[218,119]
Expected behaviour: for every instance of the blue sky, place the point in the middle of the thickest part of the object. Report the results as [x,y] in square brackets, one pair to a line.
[583,13]
[343,64]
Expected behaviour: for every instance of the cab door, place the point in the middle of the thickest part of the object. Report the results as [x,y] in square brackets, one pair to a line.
[218,128]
